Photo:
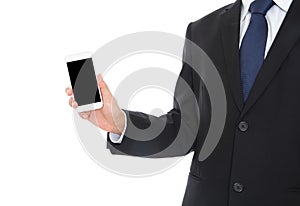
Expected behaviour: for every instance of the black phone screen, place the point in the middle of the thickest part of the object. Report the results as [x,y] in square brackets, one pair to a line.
[83,81]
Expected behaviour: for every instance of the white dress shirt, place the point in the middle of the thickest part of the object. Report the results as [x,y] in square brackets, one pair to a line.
[274,17]
[115,138]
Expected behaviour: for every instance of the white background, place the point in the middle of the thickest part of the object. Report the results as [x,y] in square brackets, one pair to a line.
[41,159]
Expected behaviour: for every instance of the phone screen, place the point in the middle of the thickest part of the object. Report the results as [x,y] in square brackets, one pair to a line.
[83,81]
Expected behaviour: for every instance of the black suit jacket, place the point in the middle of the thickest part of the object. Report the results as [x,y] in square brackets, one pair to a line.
[263,153]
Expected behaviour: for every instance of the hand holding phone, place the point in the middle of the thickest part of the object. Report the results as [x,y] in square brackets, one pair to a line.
[108,115]
[84,83]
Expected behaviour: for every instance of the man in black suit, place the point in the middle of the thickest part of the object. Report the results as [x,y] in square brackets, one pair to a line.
[255,45]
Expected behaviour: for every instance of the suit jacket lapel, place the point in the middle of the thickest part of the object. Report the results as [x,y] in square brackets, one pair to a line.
[286,38]
[230,39]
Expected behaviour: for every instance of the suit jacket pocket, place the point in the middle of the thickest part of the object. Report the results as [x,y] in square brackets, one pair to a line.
[191,196]
[195,177]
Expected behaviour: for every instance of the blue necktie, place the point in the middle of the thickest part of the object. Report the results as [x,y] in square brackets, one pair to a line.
[253,46]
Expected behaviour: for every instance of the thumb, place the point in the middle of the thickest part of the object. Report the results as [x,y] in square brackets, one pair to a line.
[103,86]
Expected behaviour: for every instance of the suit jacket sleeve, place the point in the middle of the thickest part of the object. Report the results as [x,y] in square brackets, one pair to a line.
[172,134]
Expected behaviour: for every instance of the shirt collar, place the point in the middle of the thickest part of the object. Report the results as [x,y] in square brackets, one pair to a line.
[282,4]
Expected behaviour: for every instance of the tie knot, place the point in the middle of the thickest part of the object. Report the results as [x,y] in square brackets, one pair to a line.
[261,6]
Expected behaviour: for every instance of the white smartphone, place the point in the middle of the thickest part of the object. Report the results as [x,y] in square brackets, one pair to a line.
[84,82]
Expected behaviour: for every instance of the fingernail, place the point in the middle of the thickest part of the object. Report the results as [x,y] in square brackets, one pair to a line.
[74,105]
[100,76]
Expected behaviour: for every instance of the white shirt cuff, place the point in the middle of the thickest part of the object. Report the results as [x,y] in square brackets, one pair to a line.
[115,138]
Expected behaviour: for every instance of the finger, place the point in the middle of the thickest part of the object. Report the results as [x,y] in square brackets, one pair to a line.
[99,78]
[73,103]
[84,115]
[103,86]
[69,91]
[71,100]
[101,82]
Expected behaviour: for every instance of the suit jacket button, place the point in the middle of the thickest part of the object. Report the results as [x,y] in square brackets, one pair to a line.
[243,126]
[238,187]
